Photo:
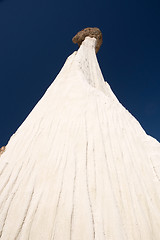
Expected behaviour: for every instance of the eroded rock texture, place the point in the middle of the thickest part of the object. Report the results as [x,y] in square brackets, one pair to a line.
[2,149]
[89,32]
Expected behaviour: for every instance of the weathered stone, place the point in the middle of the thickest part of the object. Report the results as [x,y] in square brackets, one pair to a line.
[89,32]
[2,149]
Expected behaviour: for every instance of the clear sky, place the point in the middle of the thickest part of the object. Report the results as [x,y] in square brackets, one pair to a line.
[36,38]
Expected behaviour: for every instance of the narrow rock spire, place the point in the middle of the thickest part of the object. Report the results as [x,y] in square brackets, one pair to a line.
[89,32]
[80,167]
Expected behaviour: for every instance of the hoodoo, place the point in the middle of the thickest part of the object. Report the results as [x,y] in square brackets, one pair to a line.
[80,167]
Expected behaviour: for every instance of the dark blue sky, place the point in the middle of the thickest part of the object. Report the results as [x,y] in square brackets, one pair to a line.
[36,38]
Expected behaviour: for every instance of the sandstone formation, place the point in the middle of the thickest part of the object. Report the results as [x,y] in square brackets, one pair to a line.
[80,167]
[89,32]
[2,149]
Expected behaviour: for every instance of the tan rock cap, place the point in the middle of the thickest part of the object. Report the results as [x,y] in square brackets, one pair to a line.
[89,32]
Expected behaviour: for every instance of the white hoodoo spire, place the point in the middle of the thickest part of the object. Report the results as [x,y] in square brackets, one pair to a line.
[80,167]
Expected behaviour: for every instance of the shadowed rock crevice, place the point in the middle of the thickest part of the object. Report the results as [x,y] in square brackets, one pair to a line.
[89,32]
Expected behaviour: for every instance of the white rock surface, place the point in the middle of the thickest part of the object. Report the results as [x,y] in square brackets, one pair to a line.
[80,167]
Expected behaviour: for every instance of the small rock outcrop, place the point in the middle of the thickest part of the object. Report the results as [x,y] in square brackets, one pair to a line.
[2,149]
[89,32]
